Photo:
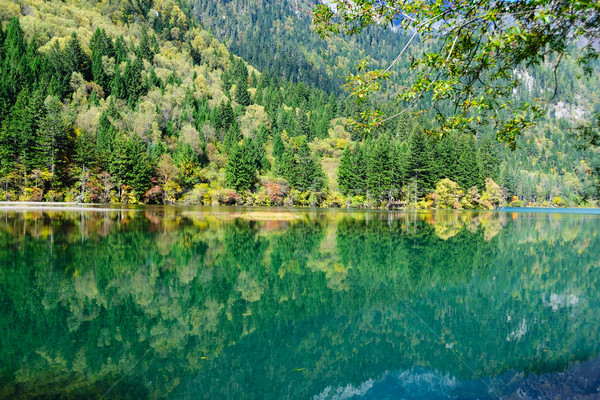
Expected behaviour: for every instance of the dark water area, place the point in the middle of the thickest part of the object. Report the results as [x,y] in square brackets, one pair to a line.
[225,303]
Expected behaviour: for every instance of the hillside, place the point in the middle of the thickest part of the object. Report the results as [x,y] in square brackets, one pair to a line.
[130,102]
[277,36]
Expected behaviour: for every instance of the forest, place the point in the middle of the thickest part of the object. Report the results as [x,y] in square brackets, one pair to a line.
[150,102]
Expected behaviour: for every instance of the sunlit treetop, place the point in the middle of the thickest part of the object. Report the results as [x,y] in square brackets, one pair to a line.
[479,47]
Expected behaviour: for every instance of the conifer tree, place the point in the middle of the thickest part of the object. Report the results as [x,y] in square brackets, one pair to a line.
[105,137]
[120,49]
[359,171]
[345,173]
[257,154]
[420,163]
[98,74]
[232,136]
[489,162]
[278,146]
[310,174]
[380,168]
[241,169]
[241,92]
[446,156]
[54,135]
[144,50]
[75,58]
[467,167]
[7,152]
[302,124]
[287,167]
[131,163]
[101,44]
[132,78]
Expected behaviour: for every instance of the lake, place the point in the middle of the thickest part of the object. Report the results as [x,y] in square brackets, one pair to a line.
[225,303]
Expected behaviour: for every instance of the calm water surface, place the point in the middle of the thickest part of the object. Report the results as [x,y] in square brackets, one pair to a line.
[201,303]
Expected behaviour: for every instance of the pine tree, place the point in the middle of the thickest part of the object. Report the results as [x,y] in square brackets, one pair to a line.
[117,85]
[489,162]
[257,154]
[400,165]
[241,169]
[120,50]
[224,116]
[380,168]
[132,77]
[278,146]
[75,58]
[310,174]
[302,124]
[144,50]
[287,167]
[241,92]
[13,68]
[345,173]
[98,74]
[446,156]
[420,171]
[54,135]
[105,137]
[467,167]
[232,136]
[359,170]
[130,163]
[101,44]
[7,151]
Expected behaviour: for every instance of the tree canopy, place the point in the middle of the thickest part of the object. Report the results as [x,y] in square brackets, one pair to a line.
[478,51]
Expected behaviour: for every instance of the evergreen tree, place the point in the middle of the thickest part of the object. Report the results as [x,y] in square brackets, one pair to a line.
[345,172]
[241,168]
[446,156]
[359,171]
[287,167]
[75,58]
[380,168]
[144,50]
[54,136]
[85,150]
[257,154]
[131,163]
[117,85]
[7,151]
[224,116]
[232,136]
[98,74]
[101,44]
[105,137]
[120,49]
[132,78]
[489,162]
[241,92]
[420,171]
[310,174]
[302,124]
[467,167]
[278,146]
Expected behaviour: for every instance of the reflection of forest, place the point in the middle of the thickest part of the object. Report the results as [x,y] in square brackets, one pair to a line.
[208,303]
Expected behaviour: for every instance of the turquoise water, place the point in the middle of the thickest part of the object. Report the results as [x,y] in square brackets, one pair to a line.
[201,303]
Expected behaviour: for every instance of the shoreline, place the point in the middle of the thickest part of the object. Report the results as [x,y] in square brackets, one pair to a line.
[97,207]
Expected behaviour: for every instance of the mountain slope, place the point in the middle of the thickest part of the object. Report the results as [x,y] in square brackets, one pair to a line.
[125,101]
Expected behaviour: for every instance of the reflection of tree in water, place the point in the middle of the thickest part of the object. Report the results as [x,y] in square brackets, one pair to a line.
[211,307]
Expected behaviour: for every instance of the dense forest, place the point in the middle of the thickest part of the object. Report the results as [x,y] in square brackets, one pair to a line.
[137,102]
